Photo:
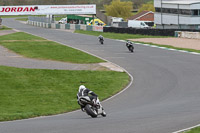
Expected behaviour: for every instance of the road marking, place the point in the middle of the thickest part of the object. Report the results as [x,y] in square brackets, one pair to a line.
[183,130]
[162,47]
[171,49]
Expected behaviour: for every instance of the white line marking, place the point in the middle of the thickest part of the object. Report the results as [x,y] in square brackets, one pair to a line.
[186,129]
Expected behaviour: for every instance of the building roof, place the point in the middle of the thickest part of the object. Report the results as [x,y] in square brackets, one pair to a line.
[139,15]
[188,2]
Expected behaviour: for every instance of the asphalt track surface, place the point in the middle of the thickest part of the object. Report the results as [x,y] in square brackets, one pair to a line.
[163,98]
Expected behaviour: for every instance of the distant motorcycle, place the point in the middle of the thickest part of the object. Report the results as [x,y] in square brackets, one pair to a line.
[101,40]
[90,108]
[130,46]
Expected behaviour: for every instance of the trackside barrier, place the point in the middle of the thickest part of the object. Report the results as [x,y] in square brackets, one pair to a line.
[62,26]
[72,27]
[83,27]
[66,26]
[186,34]
[77,27]
[53,25]
[89,28]
[57,26]
[98,28]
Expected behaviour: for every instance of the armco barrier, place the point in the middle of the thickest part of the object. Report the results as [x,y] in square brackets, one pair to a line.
[98,28]
[53,25]
[89,28]
[57,26]
[66,26]
[77,27]
[83,27]
[72,27]
[48,25]
[62,26]
[186,34]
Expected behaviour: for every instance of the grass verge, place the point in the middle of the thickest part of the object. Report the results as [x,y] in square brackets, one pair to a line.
[26,93]
[36,47]
[118,36]
[4,28]
[195,130]
[22,19]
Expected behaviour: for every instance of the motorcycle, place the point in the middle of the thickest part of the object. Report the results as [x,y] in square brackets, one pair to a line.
[90,108]
[101,40]
[130,47]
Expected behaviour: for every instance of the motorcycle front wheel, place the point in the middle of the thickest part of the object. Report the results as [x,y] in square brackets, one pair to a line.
[91,111]
[103,113]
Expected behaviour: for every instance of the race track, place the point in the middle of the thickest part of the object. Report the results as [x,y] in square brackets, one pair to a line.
[163,98]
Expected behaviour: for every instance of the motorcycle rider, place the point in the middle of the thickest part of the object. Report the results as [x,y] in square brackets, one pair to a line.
[100,37]
[129,44]
[83,91]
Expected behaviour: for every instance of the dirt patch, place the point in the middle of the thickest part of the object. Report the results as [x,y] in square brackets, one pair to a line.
[6,32]
[176,42]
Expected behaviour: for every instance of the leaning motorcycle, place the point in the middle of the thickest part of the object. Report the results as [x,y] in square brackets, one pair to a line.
[101,41]
[90,108]
[130,47]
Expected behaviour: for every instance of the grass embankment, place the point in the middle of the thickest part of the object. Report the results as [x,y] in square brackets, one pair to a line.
[26,93]
[195,130]
[2,27]
[22,19]
[120,36]
[36,47]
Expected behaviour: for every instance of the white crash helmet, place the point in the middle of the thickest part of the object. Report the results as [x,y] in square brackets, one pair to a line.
[81,87]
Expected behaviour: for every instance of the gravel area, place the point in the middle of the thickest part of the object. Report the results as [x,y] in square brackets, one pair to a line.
[176,42]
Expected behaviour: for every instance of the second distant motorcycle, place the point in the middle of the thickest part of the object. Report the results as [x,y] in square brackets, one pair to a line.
[130,46]
[101,39]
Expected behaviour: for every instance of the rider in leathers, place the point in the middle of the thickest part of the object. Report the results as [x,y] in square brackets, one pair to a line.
[100,37]
[129,44]
[83,91]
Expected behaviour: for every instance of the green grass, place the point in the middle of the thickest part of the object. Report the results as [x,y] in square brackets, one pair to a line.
[26,93]
[36,47]
[118,36]
[22,19]
[2,27]
[20,36]
[195,130]
[15,16]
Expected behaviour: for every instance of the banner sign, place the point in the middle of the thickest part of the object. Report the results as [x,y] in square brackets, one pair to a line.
[47,9]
